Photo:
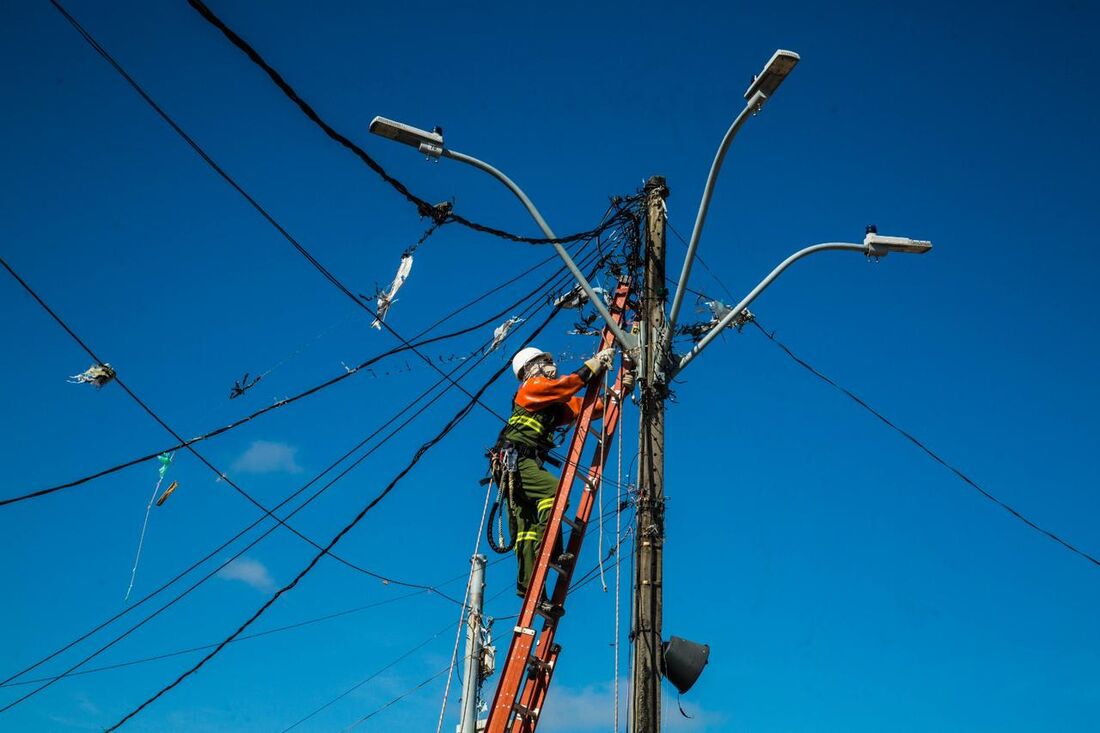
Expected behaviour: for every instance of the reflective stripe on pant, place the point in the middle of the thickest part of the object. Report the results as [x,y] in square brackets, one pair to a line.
[533,502]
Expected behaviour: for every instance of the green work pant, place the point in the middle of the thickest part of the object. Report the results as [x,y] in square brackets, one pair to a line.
[532,503]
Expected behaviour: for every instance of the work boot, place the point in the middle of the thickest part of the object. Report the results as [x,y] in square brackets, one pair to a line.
[549,609]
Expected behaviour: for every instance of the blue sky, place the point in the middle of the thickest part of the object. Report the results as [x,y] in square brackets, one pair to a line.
[843,580]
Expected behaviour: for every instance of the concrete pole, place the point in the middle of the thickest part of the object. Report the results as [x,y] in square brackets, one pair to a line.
[649,532]
[471,672]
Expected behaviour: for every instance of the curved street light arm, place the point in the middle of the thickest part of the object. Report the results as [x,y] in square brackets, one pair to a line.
[748,299]
[625,340]
[755,102]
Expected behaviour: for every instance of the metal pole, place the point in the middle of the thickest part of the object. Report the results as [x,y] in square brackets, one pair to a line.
[471,671]
[649,532]
[621,336]
[753,105]
[748,299]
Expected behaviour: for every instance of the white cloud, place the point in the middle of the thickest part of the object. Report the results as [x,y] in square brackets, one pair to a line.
[265,456]
[590,709]
[86,705]
[250,572]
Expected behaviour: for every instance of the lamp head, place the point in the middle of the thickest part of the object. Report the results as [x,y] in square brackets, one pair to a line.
[775,71]
[879,246]
[407,134]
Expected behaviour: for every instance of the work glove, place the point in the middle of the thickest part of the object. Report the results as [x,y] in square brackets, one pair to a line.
[628,383]
[600,361]
[628,374]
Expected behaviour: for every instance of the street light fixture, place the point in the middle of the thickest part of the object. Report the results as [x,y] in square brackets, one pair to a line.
[874,245]
[431,144]
[879,246]
[763,86]
[775,71]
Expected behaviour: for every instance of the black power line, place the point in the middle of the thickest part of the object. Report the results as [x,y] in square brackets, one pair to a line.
[440,216]
[424,448]
[301,395]
[931,454]
[399,698]
[422,206]
[373,675]
[536,301]
[705,267]
[144,406]
[623,207]
[243,550]
[258,634]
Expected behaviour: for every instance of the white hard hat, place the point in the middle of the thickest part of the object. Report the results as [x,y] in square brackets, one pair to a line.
[524,357]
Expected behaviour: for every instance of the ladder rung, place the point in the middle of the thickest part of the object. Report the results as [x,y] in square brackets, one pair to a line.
[544,665]
[574,523]
[525,712]
[551,618]
[563,569]
[539,665]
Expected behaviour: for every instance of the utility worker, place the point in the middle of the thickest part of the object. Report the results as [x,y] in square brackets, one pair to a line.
[543,404]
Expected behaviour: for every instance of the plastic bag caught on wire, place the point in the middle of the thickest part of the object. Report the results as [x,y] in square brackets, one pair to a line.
[576,298]
[386,299]
[501,332]
[97,375]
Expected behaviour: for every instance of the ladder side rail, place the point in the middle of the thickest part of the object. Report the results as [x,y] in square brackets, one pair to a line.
[523,637]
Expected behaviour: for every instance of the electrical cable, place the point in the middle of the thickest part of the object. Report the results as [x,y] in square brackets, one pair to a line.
[243,550]
[397,699]
[425,209]
[424,448]
[301,395]
[133,395]
[364,681]
[347,470]
[288,627]
[706,267]
[618,578]
[422,206]
[931,454]
[190,650]
[403,656]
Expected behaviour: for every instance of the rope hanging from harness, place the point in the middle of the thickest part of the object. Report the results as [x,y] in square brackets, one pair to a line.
[504,469]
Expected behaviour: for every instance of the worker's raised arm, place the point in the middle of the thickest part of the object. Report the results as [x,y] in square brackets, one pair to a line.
[538,393]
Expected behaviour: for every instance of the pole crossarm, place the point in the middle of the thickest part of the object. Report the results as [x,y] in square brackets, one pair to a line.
[761,286]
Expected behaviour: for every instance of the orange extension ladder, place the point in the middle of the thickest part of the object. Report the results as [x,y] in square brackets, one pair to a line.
[532,657]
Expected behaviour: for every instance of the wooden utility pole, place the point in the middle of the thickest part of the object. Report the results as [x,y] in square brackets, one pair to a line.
[650,514]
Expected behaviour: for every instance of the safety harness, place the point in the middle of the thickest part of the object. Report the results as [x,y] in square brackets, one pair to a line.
[527,434]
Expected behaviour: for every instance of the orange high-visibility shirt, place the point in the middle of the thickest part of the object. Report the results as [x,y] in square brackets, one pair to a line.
[538,393]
